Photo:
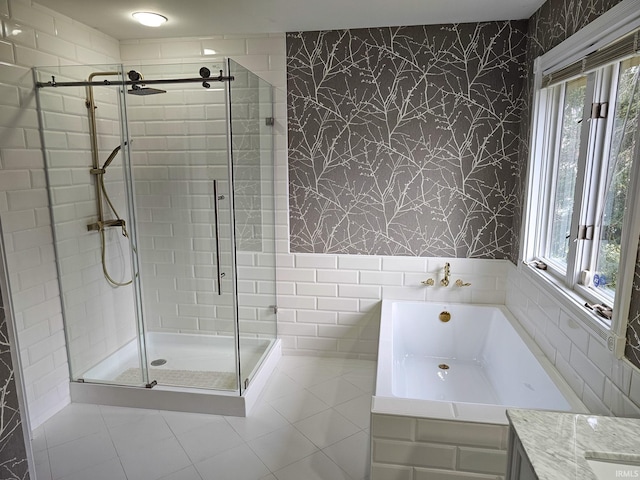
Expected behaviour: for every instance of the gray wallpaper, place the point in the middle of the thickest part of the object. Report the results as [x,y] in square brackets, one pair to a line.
[632,351]
[13,455]
[404,141]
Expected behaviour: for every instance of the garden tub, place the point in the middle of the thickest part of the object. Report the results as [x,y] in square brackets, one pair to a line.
[446,375]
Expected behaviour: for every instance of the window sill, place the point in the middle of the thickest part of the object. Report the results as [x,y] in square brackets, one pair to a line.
[573,303]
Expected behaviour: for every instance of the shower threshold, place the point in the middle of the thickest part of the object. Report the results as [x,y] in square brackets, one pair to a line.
[194,360]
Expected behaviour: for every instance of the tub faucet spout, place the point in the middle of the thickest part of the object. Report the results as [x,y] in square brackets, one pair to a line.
[445,281]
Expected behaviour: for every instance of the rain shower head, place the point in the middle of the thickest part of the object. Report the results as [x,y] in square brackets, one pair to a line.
[140,90]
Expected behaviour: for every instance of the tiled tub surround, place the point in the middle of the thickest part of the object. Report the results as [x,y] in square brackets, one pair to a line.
[433,423]
[329,304]
[606,385]
[414,448]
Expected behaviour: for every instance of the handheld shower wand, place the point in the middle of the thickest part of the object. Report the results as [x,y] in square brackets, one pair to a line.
[112,156]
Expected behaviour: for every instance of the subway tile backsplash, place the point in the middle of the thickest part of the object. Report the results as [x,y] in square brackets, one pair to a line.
[341,302]
[602,382]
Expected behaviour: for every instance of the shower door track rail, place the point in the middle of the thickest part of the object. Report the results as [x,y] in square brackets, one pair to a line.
[103,83]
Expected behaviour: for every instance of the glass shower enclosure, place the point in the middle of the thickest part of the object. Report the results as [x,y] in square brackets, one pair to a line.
[161,187]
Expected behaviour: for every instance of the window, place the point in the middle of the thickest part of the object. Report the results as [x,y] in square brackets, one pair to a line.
[587,138]
[565,164]
[616,176]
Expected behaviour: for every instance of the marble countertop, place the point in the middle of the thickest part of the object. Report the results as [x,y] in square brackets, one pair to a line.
[556,442]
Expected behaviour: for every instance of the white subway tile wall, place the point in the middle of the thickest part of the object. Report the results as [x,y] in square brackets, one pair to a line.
[333,306]
[161,191]
[436,449]
[36,36]
[604,384]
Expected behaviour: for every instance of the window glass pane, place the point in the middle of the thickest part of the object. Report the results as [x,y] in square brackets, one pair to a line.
[624,138]
[565,171]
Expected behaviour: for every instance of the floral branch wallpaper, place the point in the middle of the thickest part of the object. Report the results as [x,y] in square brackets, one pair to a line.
[13,454]
[404,141]
[632,351]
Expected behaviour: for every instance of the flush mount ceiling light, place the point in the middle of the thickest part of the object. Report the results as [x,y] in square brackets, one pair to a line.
[149,19]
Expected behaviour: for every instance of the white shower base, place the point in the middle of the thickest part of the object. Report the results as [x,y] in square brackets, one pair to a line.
[195,353]
[199,353]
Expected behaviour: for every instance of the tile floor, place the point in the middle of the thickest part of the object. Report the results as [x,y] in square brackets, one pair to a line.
[312,423]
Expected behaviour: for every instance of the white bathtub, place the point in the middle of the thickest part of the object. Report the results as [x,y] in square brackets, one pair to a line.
[456,413]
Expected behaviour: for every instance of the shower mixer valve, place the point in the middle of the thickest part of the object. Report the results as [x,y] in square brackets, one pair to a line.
[97,226]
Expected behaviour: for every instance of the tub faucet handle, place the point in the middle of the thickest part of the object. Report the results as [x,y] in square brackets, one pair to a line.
[428,283]
[460,283]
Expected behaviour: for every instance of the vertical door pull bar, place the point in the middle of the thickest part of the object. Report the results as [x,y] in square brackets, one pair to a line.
[216,228]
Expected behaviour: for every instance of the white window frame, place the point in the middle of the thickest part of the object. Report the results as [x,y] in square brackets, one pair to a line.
[612,25]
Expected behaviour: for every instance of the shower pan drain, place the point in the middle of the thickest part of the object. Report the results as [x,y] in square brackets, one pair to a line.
[158,362]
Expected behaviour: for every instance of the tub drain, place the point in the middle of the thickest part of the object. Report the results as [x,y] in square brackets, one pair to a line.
[158,362]
[443,366]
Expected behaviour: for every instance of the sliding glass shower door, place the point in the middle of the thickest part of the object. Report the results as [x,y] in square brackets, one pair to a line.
[101,325]
[183,214]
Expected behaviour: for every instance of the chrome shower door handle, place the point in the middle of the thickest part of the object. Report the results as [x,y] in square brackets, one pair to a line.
[216,228]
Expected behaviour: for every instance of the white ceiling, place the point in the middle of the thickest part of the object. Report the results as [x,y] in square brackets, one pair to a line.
[191,18]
